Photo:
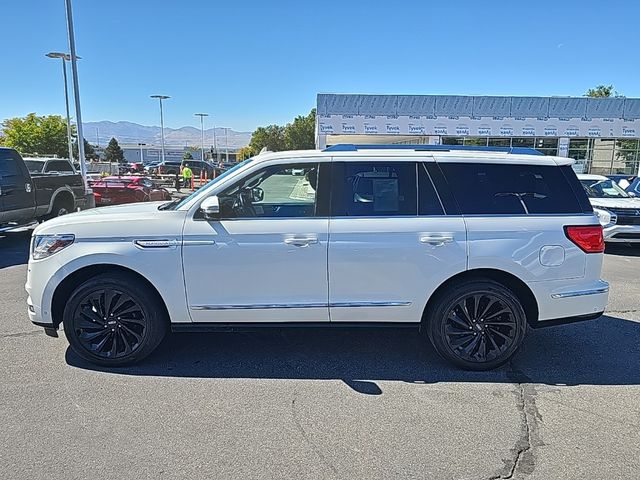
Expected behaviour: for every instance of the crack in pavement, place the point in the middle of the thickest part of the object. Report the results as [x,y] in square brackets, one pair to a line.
[621,311]
[522,462]
[307,440]
[21,334]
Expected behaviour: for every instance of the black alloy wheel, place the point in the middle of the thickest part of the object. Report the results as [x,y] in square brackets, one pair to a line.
[480,327]
[477,325]
[114,319]
[109,323]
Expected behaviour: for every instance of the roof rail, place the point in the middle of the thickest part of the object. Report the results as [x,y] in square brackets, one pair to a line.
[349,147]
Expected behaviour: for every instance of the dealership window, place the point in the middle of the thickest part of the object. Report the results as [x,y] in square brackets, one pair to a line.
[452,140]
[485,189]
[523,142]
[499,142]
[364,189]
[476,141]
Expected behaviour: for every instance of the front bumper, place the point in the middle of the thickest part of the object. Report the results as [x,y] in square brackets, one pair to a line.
[622,233]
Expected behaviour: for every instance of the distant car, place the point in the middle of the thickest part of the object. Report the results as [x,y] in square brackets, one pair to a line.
[127,189]
[622,180]
[634,187]
[297,171]
[618,211]
[168,167]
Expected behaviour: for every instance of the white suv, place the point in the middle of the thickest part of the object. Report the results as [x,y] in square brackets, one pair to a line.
[618,210]
[471,247]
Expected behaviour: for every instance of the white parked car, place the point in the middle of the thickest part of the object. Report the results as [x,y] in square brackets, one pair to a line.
[469,247]
[618,210]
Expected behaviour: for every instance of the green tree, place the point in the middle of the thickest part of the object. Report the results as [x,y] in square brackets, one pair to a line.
[602,91]
[113,152]
[271,137]
[89,152]
[244,153]
[300,134]
[33,134]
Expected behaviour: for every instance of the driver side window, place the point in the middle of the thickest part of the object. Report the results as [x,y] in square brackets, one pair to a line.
[280,191]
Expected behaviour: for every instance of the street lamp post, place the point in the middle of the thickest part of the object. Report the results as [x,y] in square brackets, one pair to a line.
[226,144]
[65,58]
[215,146]
[160,98]
[141,145]
[76,96]
[202,115]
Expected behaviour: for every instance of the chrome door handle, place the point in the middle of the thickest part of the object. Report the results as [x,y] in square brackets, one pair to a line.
[436,240]
[301,241]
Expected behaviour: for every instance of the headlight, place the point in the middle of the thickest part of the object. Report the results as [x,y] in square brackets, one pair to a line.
[606,218]
[44,246]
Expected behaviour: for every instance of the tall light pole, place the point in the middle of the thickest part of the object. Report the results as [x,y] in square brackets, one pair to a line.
[226,144]
[76,95]
[141,145]
[215,146]
[65,58]
[202,115]
[160,98]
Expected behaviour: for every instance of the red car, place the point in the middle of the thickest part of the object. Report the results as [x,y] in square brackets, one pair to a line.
[127,189]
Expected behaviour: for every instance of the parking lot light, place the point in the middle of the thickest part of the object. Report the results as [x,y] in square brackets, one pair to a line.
[160,98]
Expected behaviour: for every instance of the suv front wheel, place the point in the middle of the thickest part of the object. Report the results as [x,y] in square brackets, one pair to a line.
[113,320]
[477,325]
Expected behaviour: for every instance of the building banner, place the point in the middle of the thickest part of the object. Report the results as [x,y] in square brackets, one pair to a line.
[464,126]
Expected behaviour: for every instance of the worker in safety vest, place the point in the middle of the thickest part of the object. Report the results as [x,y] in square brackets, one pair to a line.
[187,174]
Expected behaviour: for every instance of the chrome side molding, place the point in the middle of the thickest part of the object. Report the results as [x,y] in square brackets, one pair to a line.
[269,306]
[580,293]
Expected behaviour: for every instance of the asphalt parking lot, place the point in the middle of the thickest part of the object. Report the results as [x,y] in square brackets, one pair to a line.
[323,405]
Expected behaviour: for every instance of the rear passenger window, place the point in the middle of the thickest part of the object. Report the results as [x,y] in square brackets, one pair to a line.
[375,189]
[510,189]
[59,166]
[428,200]
[8,164]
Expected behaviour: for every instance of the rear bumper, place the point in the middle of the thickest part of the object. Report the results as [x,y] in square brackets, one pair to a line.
[564,320]
[566,301]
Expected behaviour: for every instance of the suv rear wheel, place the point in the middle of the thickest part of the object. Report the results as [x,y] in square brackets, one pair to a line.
[477,325]
[113,320]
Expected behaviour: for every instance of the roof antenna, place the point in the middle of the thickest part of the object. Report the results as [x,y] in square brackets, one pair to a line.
[264,150]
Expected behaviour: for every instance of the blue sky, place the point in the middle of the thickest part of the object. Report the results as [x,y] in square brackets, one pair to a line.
[251,63]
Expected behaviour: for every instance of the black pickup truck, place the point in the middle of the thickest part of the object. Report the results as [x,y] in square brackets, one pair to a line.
[36,189]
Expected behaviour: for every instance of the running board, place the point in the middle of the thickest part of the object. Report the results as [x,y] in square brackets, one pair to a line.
[254,326]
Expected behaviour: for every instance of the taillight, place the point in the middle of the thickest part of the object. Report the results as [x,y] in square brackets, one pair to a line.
[588,237]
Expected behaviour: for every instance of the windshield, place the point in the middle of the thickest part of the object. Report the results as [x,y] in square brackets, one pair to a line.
[34,166]
[175,204]
[603,189]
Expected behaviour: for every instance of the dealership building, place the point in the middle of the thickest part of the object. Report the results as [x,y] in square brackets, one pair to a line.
[601,134]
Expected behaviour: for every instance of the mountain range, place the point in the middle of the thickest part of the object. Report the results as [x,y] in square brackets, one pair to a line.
[128,133]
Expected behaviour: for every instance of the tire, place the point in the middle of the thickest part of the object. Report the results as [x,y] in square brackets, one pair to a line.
[61,206]
[119,303]
[477,325]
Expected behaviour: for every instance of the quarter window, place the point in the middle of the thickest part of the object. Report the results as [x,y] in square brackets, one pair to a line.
[512,189]
[375,189]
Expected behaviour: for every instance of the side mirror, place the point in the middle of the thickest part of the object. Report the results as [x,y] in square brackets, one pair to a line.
[257,194]
[210,207]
